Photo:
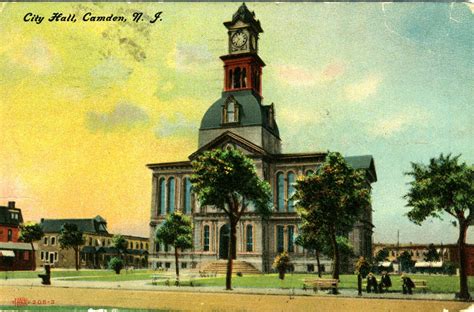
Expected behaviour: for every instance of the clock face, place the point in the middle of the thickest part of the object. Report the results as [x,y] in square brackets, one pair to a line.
[239,39]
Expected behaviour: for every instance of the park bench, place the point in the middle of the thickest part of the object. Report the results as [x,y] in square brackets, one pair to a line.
[207,274]
[421,284]
[320,283]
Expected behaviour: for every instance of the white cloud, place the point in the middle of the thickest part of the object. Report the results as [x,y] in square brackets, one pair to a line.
[188,57]
[398,123]
[35,56]
[177,124]
[109,71]
[298,76]
[361,90]
[123,116]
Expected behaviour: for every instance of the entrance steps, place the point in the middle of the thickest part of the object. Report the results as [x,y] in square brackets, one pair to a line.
[220,267]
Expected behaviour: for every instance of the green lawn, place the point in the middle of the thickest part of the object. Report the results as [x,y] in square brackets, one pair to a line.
[436,283]
[89,274]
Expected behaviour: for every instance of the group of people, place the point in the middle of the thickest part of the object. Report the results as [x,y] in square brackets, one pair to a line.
[386,282]
[373,285]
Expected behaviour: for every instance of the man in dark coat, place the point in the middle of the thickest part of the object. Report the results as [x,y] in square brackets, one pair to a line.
[385,282]
[407,285]
[371,283]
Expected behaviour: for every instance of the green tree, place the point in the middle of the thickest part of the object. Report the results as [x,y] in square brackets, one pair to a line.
[282,263]
[405,261]
[115,264]
[71,237]
[332,200]
[432,254]
[227,179]
[312,241]
[444,186]
[382,255]
[120,243]
[29,233]
[176,231]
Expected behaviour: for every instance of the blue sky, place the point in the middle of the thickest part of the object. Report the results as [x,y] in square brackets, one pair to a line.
[394,80]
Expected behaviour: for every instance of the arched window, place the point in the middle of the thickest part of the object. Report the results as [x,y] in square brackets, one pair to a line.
[230,112]
[291,191]
[244,78]
[162,196]
[171,194]
[237,78]
[249,235]
[187,195]
[206,238]
[229,82]
[157,247]
[291,237]
[280,192]
[280,238]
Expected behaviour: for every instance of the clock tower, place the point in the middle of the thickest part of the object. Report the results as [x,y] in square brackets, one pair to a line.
[243,66]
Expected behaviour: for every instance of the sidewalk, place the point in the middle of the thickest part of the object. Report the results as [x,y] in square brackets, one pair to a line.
[146,285]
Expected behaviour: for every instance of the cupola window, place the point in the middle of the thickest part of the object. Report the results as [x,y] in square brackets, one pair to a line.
[231,112]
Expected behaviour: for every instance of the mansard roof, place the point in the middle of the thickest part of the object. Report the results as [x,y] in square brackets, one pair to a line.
[363,162]
[251,112]
[95,225]
[6,216]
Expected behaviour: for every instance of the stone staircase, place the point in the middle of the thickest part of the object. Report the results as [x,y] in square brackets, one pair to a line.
[220,267]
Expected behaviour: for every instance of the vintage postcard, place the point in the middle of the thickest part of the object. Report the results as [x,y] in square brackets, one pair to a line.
[227,156]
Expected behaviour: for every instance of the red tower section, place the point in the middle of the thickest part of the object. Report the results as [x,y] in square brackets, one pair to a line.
[243,72]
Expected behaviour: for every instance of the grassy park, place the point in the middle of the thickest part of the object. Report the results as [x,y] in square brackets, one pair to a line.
[436,283]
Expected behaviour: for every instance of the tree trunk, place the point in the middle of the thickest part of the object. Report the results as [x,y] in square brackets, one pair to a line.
[230,257]
[318,263]
[176,261]
[336,262]
[464,290]
[33,262]
[76,256]
[359,284]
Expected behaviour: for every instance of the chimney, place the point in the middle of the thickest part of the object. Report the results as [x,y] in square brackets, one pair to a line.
[11,204]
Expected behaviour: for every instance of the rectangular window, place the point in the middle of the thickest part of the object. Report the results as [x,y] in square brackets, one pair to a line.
[184,265]
[291,234]
[55,256]
[45,240]
[167,265]
[26,255]
[280,238]
[249,238]
[53,241]
[42,255]
[206,238]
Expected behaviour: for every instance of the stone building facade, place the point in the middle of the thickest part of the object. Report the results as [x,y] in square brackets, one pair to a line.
[239,119]
[97,249]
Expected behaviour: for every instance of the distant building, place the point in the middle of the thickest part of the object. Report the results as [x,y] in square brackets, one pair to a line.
[14,255]
[448,253]
[97,249]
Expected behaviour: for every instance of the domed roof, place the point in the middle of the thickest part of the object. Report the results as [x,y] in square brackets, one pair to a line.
[251,112]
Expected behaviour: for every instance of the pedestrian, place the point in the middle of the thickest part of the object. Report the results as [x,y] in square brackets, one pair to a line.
[371,283]
[407,285]
[385,282]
